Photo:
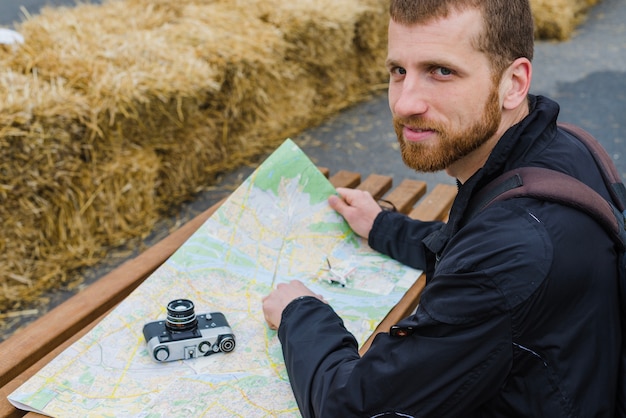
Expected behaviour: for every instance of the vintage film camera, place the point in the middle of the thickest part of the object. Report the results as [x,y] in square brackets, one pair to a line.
[183,335]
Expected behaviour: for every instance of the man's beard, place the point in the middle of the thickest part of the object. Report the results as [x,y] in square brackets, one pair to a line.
[451,145]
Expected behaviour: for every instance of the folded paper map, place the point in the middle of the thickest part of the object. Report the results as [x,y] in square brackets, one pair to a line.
[277,226]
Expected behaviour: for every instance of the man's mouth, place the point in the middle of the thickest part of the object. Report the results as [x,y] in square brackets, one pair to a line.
[412,134]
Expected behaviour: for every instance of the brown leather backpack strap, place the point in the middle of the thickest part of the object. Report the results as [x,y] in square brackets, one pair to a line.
[552,186]
[604,162]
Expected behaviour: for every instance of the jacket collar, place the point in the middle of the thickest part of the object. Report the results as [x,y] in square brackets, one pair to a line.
[516,148]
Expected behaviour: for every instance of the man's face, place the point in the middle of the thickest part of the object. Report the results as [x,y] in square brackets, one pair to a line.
[444,101]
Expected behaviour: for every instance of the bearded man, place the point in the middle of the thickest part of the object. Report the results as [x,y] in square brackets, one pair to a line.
[520,313]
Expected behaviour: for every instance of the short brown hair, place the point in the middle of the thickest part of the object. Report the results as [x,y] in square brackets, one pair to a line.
[508,24]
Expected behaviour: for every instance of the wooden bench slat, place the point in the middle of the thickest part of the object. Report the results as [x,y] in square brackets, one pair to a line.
[436,205]
[376,185]
[345,178]
[325,171]
[406,194]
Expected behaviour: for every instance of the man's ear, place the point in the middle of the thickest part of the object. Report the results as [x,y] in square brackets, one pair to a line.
[515,83]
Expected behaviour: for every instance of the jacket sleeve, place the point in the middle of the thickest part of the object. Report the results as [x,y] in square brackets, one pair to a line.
[400,237]
[396,375]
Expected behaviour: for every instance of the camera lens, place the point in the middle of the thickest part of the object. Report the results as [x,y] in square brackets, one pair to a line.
[180,315]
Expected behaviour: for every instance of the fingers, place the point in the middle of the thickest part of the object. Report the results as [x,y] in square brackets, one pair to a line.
[338,204]
[348,199]
[358,208]
[272,311]
[352,195]
[275,303]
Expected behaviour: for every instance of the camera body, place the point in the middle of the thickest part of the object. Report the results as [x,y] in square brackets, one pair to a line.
[183,335]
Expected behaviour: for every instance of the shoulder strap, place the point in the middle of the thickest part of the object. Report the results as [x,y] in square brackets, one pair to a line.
[603,161]
[554,186]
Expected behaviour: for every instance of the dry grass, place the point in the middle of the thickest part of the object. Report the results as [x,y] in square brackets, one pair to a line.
[557,19]
[112,113]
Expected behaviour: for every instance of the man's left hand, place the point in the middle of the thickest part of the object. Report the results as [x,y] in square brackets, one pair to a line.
[277,300]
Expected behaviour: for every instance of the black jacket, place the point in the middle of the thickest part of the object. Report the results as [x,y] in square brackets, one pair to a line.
[519,317]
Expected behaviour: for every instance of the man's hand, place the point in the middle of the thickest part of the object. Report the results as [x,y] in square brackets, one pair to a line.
[277,301]
[357,207]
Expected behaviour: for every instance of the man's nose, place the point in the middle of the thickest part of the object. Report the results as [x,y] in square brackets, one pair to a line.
[407,98]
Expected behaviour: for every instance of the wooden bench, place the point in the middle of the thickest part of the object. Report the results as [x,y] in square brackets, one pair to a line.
[30,349]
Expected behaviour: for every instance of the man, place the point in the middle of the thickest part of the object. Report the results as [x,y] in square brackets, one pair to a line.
[520,314]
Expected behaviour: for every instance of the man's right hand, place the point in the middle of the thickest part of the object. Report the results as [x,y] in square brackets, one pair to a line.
[357,207]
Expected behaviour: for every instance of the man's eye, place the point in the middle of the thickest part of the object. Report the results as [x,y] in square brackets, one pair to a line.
[398,71]
[443,71]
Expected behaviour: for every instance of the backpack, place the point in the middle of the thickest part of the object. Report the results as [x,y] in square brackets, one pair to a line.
[554,186]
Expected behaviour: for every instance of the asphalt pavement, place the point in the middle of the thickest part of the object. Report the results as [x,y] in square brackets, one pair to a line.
[586,75]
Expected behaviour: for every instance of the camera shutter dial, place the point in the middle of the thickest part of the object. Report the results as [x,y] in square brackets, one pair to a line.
[204,347]
[161,353]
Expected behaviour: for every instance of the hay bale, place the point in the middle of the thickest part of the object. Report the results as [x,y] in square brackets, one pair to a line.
[121,110]
[557,19]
